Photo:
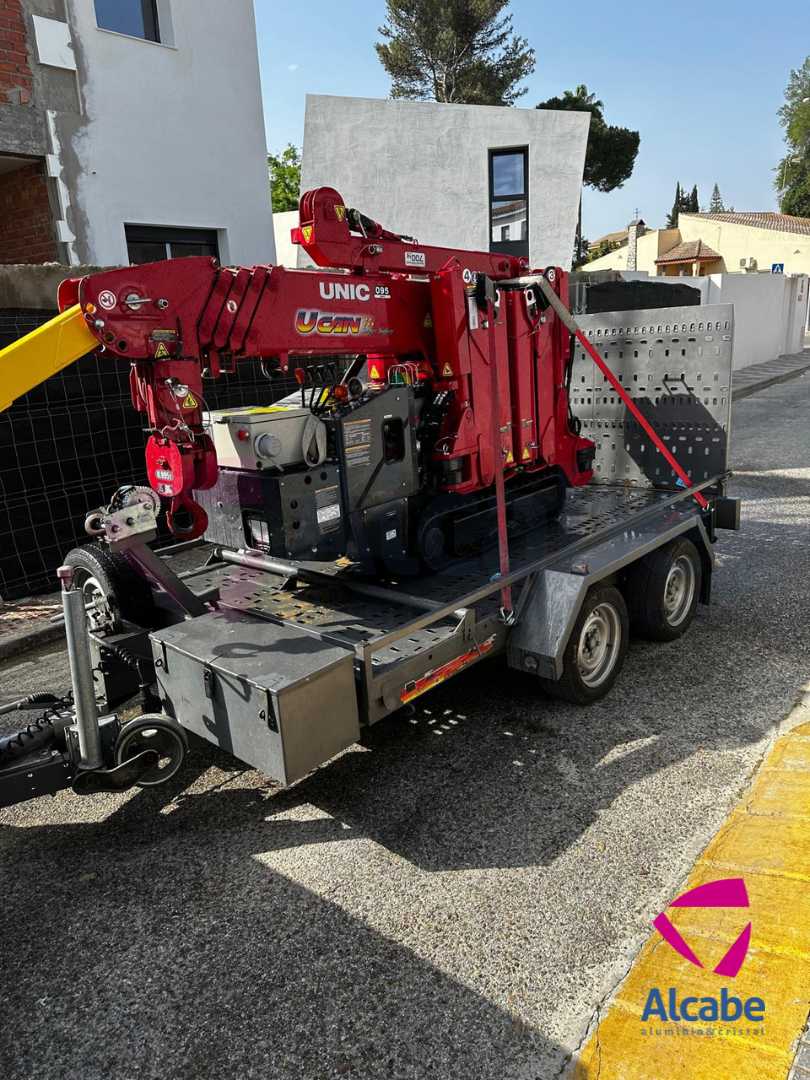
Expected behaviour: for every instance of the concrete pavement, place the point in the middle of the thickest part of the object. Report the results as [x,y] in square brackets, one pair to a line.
[454,899]
[750,380]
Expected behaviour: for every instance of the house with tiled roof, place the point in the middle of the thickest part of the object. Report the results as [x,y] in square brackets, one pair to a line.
[691,257]
[728,242]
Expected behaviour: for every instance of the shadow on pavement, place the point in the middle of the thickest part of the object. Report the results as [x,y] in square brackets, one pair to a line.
[155,945]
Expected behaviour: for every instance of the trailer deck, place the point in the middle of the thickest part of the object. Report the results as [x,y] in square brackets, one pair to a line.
[329,599]
[400,631]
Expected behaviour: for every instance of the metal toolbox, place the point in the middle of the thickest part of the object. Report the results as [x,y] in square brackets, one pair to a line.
[272,695]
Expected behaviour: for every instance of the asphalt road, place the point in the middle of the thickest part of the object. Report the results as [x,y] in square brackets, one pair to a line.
[452,900]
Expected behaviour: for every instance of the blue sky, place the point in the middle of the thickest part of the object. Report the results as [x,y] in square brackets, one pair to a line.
[700,81]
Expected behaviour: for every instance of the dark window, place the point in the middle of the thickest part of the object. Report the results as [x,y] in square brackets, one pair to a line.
[509,201]
[137,18]
[150,243]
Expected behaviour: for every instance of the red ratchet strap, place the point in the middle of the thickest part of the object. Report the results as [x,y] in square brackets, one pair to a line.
[655,438]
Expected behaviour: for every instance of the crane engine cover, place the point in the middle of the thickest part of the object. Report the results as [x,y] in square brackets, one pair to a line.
[431,380]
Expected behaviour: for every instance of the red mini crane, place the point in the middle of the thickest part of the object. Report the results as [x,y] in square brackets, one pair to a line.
[465,379]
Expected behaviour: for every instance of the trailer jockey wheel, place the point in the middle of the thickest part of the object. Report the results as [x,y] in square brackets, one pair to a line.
[113,589]
[662,591]
[596,648]
[153,732]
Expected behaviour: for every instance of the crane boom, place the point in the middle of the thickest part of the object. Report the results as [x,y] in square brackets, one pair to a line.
[34,358]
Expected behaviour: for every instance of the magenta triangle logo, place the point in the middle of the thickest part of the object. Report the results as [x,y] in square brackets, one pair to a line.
[724,893]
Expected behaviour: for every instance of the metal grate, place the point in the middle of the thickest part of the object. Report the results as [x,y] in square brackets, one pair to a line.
[67,445]
[676,365]
[331,610]
[334,611]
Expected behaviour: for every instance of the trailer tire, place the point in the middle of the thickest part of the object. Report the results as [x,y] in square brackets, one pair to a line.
[596,648]
[114,588]
[662,591]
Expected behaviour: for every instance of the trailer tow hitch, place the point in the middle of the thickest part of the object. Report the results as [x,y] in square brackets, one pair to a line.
[70,745]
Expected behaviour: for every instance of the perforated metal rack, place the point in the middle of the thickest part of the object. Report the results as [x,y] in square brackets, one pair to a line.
[676,364]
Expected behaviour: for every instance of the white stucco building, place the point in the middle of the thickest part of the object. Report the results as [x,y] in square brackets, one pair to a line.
[466,176]
[142,119]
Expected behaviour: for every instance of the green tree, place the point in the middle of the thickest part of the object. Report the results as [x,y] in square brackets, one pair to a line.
[677,206]
[285,178]
[685,203]
[793,172]
[454,51]
[716,205]
[611,152]
[580,254]
[596,251]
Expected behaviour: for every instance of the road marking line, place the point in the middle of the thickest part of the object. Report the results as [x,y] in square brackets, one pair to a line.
[765,840]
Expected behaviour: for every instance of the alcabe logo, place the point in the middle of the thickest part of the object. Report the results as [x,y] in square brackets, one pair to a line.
[725,893]
[668,1006]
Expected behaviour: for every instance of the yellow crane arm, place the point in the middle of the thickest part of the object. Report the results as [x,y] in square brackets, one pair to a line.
[34,358]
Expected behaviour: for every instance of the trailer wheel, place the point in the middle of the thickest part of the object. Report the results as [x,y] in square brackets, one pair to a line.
[596,648]
[662,591]
[113,590]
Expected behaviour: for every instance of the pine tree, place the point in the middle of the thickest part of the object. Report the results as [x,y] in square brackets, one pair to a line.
[464,51]
[611,151]
[716,205]
[693,206]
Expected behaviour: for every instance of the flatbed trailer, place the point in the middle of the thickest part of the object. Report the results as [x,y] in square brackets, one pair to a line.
[282,663]
[403,640]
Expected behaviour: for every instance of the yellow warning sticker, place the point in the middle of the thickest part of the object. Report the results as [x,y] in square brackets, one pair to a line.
[340,212]
[161,352]
[306,232]
[447,371]
[510,460]
[374,372]
[428,323]
[190,402]
[526,454]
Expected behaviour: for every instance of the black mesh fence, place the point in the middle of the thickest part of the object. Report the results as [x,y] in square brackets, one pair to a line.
[69,443]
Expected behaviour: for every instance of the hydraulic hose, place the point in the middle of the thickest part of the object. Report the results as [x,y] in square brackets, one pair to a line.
[33,701]
[37,735]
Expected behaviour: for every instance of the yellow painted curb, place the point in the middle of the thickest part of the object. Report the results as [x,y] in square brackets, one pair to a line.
[766,841]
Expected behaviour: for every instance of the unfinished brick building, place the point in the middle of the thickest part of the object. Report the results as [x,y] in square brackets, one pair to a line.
[28,231]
